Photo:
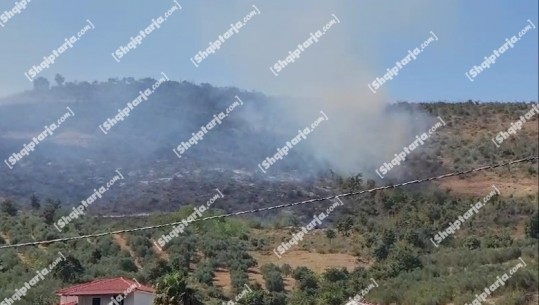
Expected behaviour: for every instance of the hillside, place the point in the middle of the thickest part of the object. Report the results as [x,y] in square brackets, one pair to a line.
[387,235]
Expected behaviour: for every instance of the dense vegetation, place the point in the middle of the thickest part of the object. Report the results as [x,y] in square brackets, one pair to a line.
[390,230]
[387,233]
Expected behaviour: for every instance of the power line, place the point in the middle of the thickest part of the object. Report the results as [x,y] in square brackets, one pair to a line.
[281,206]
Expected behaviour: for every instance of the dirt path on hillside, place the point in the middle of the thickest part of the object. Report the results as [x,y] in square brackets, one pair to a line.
[161,253]
[21,256]
[122,242]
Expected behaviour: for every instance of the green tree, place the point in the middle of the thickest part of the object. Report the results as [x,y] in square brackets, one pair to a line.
[381,251]
[403,259]
[205,274]
[9,208]
[472,242]
[532,226]
[49,211]
[158,270]
[41,84]
[128,265]
[41,300]
[333,275]
[287,269]
[59,79]
[274,281]
[256,297]
[388,237]
[173,290]
[95,256]
[306,280]
[238,278]
[330,234]
[34,202]
[301,298]
[69,270]
[180,261]
[344,225]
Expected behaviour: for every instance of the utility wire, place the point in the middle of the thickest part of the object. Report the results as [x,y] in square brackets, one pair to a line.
[286,205]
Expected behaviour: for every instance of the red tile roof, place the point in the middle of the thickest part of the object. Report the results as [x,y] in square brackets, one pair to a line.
[117,285]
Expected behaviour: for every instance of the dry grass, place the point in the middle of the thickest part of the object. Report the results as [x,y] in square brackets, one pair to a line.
[481,184]
[295,258]
[518,184]
[315,261]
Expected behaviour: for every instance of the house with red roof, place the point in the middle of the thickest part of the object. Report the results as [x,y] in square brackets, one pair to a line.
[111,291]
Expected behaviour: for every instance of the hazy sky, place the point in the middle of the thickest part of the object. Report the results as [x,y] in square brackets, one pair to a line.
[371,37]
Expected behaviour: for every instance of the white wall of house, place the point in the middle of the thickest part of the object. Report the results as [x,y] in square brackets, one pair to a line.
[106,300]
[67,299]
[143,298]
